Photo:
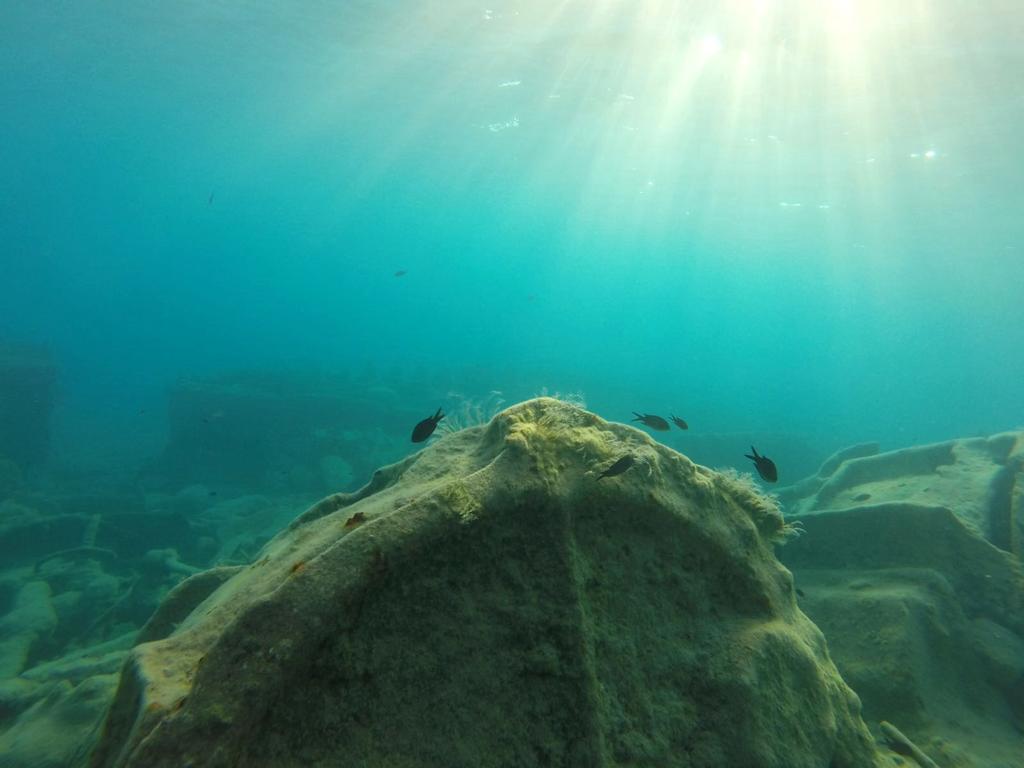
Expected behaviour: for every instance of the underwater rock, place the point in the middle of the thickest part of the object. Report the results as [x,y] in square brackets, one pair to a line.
[100,503]
[161,562]
[189,501]
[15,514]
[182,600]
[18,694]
[980,479]
[28,537]
[489,603]
[56,731]
[101,659]
[54,680]
[132,534]
[82,592]
[810,485]
[923,618]
[858,451]
[32,618]
[243,524]
[901,535]
[1002,652]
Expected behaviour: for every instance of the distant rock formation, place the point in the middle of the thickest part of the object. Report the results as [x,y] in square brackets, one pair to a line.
[911,567]
[274,432]
[489,602]
[981,480]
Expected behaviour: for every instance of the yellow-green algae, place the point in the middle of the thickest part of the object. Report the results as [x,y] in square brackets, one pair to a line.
[499,606]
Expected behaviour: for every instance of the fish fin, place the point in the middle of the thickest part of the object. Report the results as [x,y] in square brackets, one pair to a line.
[439,415]
[753,450]
[752,458]
[639,416]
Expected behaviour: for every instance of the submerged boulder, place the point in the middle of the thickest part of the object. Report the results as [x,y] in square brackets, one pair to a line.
[489,602]
[911,567]
[981,480]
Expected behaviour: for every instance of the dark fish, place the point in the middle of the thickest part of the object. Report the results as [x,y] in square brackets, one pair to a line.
[426,428]
[800,592]
[680,423]
[401,272]
[210,200]
[765,467]
[620,466]
[654,422]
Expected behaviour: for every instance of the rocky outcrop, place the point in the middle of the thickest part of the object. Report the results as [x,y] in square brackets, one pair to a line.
[490,602]
[50,714]
[981,480]
[910,565]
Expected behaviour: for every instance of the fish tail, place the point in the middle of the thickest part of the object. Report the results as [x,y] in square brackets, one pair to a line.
[753,450]
[639,416]
[439,415]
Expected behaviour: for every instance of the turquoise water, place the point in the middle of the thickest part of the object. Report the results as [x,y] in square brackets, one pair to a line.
[253,243]
[787,219]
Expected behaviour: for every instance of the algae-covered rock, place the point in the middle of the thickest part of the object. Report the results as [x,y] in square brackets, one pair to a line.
[911,568]
[31,619]
[56,731]
[490,602]
[980,479]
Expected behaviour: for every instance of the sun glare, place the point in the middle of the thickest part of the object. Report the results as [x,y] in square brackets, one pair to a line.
[711,44]
[760,110]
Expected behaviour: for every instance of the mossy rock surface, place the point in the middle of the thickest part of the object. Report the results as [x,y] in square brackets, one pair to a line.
[489,602]
[981,480]
[911,567]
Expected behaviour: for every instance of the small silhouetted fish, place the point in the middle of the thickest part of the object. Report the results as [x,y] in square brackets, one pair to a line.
[765,467]
[212,493]
[210,200]
[620,466]
[800,592]
[654,422]
[680,423]
[426,428]
[401,272]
